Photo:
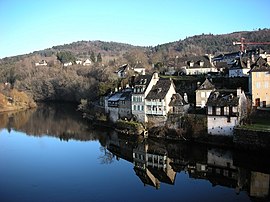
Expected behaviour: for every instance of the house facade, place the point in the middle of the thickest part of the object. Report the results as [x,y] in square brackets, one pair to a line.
[87,62]
[158,99]
[240,68]
[259,83]
[203,92]
[41,63]
[225,110]
[143,85]
[178,105]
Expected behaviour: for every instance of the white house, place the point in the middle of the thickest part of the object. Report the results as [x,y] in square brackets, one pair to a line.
[158,99]
[87,62]
[67,64]
[78,62]
[225,110]
[41,63]
[240,68]
[122,71]
[203,92]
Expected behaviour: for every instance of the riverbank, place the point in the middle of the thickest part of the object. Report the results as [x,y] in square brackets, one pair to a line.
[14,100]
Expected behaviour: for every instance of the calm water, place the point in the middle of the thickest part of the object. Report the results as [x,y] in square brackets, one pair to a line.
[50,154]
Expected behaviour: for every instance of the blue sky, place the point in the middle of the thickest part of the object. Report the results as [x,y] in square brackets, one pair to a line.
[30,25]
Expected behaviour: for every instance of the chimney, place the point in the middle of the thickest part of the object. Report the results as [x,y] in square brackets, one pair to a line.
[239,91]
[185,97]
[252,58]
[248,64]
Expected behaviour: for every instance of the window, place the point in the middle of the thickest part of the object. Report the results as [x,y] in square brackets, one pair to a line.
[266,84]
[258,84]
[202,94]
[134,107]
[142,108]
[257,74]
[139,107]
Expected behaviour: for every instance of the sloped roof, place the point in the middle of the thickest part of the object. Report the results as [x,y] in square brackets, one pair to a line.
[224,97]
[206,85]
[177,100]
[159,90]
[185,61]
[260,65]
[143,80]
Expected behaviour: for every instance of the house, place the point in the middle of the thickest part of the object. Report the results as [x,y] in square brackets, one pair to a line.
[78,62]
[118,105]
[122,71]
[203,92]
[198,65]
[225,110]
[259,83]
[67,64]
[158,99]
[229,58]
[87,62]
[240,68]
[142,86]
[178,105]
[139,68]
[41,63]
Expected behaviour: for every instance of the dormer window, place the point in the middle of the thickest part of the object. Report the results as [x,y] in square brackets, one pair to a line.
[191,63]
[201,63]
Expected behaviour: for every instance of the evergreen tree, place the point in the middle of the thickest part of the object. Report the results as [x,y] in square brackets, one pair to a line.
[99,58]
[92,56]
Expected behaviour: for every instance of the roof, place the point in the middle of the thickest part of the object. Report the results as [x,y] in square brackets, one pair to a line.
[123,95]
[260,65]
[123,68]
[185,61]
[160,90]
[143,80]
[206,85]
[177,100]
[224,97]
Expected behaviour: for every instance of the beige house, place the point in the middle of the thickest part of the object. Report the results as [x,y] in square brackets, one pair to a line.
[259,83]
[225,110]
[41,63]
[203,92]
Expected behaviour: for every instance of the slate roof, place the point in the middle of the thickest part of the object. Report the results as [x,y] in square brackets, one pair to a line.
[260,65]
[206,85]
[224,97]
[177,100]
[143,80]
[185,61]
[159,90]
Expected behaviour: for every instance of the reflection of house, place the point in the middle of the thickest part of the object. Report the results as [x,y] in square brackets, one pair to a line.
[143,85]
[225,110]
[152,166]
[178,105]
[87,62]
[158,99]
[260,83]
[203,92]
[259,184]
[118,105]
[41,63]
[240,67]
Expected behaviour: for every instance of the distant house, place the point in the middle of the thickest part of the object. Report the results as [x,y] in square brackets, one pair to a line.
[225,110]
[118,105]
[41,63]
[143,85]
[198,65]
[67,64]
[122,71]
[139,68]
[158,99]
[240,68]
[87,62]
[178,105]
[203,92]
[78,62]
[229,58]
[259,83]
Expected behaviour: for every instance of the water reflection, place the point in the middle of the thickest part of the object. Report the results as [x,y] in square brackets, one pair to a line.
[58,120]
[154,162]
[157,162]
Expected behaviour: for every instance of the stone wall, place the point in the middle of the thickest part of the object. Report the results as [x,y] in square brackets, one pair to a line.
[251,139]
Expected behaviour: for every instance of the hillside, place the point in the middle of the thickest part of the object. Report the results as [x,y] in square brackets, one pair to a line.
[76,82]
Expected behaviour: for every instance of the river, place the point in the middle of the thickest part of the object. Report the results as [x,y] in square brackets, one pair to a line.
[52,154]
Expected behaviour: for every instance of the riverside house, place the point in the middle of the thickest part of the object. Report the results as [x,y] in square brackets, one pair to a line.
[225,110]
[203,92]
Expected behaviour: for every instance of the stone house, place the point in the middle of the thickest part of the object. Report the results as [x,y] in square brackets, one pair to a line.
[178,105]
[259,83]
[118,105]
[203,92]
[225,110]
